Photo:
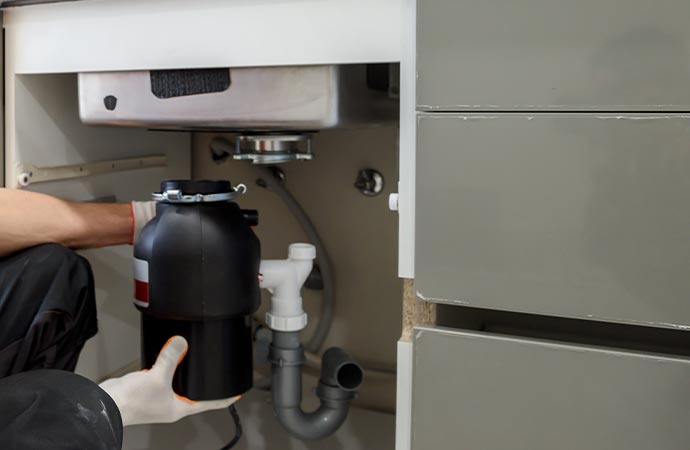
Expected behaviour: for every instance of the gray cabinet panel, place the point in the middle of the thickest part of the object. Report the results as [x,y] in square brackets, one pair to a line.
[553,54]
[474,391]
[572,215]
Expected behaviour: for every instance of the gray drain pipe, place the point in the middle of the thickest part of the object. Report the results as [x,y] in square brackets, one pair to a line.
[340,375]
[340,378]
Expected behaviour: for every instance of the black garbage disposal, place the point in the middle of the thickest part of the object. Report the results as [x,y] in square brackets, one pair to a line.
[196,275]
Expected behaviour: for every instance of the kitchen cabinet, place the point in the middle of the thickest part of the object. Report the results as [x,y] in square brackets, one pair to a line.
[542,157]
[46,48]
[547,169]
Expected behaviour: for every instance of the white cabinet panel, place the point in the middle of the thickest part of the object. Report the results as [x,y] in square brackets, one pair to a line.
[108,35]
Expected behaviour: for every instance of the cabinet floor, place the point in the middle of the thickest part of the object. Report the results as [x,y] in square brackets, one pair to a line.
[363,430]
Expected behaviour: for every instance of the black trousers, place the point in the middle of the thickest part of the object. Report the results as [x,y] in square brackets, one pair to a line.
[47,309]
[47,313]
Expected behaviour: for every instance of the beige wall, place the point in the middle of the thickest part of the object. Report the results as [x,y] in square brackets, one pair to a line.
[359,232]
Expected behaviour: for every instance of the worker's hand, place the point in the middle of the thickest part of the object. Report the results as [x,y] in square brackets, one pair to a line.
[142,213]
[147,396]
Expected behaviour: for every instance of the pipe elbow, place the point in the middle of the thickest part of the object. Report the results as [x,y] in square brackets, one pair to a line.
[323,422]
[287,276]
[340,378]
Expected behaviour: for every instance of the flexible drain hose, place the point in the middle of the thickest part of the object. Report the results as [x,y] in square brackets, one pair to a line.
[328,303]
[221,146]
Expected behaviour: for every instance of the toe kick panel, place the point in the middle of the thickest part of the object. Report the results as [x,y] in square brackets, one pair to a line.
[477,391]
[573,215]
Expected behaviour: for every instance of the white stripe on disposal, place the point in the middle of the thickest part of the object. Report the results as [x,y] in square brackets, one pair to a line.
[141,270]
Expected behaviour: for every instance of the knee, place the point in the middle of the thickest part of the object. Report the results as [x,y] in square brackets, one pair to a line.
[51,259]
[51,255]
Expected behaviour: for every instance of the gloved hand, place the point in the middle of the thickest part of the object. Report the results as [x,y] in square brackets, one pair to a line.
[147,396]
[142,213]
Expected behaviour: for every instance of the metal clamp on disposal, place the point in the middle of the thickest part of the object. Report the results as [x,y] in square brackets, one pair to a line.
[176,196]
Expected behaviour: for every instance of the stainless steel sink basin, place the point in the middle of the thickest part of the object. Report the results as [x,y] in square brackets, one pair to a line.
[304,98]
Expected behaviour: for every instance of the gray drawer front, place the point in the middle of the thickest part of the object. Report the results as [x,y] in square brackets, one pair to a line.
[473,391]
[553,54]
[572,215]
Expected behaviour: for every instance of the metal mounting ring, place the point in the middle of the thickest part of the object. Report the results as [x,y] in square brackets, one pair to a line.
[176,196]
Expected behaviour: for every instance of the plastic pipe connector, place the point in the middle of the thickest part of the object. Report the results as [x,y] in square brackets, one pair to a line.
[284,279]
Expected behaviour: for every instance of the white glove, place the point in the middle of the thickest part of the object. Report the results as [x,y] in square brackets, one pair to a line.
[147,396]
[142,213]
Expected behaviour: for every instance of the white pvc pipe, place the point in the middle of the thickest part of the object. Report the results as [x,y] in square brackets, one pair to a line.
[284,279]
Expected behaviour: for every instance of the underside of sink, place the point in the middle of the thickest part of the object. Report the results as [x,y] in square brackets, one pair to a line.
[299,98]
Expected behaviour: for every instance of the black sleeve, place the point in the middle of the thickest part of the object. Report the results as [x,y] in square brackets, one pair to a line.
[57,410]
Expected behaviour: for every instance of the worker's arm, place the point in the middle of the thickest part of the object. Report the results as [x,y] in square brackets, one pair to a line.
[29,218]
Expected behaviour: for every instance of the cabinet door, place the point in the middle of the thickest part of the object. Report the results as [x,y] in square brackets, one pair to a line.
[572,215]
[476,391]
[607,55]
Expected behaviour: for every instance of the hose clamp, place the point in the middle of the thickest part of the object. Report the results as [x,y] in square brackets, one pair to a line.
[286,357]
[176,196]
